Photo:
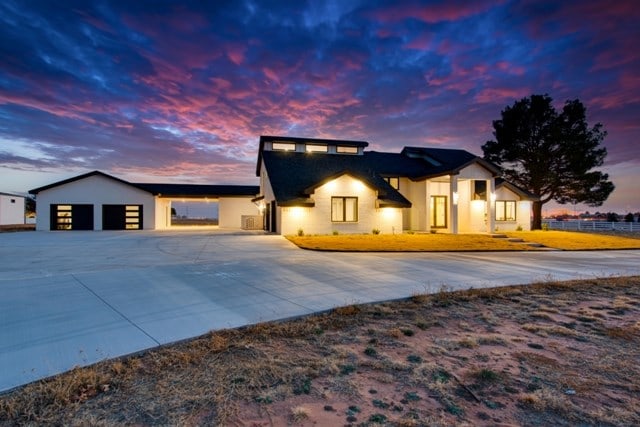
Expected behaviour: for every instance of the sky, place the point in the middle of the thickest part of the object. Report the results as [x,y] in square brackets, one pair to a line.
[162,91]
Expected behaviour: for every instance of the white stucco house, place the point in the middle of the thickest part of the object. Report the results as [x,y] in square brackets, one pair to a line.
[98,201]
[322,186]
[11,209]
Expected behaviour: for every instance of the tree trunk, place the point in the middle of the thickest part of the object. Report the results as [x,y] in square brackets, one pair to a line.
[536,224]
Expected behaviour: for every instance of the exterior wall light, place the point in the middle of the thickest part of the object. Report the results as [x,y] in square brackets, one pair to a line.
[456,196]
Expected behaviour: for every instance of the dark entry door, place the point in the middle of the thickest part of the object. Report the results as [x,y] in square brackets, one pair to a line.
[273,217]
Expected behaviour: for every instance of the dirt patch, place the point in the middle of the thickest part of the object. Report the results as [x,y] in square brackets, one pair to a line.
[17,227]
[545,354]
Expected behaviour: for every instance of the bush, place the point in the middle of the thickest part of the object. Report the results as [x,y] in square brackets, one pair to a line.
[336,232]
[375,231]
[519,228]
[545,226]
[300,232]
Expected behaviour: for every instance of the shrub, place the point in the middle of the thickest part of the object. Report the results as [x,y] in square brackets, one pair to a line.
[545,226]
[375,231]
[336,232]
[519,228]
[300,232]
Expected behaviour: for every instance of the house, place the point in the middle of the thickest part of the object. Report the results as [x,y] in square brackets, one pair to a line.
[98,201]
[11,209]
[323,186]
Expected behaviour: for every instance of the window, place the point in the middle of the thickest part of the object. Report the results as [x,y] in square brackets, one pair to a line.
[479,190]
[344,149]
[505,210]
[13,200]
[316,148]
[438,208]
[344,209]
[283,146]
[393,181]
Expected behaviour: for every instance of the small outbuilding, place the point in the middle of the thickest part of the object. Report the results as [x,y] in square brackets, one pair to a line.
[98,201]
[11,209]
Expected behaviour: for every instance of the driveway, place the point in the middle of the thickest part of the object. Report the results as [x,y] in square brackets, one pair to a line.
[74,298]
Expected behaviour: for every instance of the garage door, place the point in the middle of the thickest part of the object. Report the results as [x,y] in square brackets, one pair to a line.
[71,217]
[122,217]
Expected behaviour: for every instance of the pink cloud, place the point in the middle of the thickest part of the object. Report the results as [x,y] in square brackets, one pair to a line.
[432,13]
[500,95]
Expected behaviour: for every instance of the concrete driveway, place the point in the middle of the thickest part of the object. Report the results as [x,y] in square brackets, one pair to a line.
[74,298]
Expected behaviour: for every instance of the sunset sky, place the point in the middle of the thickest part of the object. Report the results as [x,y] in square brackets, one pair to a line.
[158,91]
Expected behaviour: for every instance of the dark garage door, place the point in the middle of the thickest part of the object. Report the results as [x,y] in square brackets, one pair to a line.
[71,217]
[122,217]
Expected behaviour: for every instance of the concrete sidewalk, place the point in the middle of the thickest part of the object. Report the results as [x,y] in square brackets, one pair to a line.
[74,298]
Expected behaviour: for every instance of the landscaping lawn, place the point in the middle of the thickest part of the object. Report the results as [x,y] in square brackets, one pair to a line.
[406,243]
[577,241]
[557,354]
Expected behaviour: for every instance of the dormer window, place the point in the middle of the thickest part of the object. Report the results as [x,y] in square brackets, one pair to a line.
[283,146]
[345,149]
[316,148]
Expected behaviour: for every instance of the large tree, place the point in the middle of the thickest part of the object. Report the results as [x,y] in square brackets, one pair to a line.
[550,153]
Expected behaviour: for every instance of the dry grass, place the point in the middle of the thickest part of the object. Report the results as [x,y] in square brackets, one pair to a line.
[17,227]
[577,241]
[405,243]
[473,357]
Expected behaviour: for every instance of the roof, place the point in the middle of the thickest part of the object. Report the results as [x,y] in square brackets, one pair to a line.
[273,138]
[78,178]
[197,190]
[11,195]
[519,191]
[445,161]
[294,176]
[167,190]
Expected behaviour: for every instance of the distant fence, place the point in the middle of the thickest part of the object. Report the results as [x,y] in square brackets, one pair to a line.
[593,225]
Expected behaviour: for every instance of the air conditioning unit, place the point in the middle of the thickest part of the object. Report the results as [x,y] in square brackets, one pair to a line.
[252,222]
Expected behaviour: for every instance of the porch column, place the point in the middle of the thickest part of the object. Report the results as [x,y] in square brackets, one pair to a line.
[491,205]
[453,203]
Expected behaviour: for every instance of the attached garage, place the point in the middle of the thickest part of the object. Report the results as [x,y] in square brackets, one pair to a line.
[97,201]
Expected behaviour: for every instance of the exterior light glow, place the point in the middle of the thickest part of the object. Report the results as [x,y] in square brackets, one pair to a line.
[297,212]
[455,197]
[358,185]
[493,197]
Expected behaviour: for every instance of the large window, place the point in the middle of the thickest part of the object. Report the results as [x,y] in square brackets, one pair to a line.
[505,210]
[438,209]
[344,209]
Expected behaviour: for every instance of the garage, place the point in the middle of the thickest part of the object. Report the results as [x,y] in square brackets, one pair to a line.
[122,217]
[71,217]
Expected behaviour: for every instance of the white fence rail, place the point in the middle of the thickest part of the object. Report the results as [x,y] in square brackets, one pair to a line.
[592,225]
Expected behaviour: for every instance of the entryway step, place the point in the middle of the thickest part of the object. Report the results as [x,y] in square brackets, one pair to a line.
[498,236]
[515,240]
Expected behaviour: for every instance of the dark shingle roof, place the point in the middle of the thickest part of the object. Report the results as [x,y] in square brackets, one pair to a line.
[294,175]
[444,161]
[168,190]
[197,190]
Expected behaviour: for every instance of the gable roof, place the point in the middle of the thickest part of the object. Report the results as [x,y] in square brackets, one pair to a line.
[78,178]
[11,195]
[294,176]
[445,161]
[500,182]
[167,190]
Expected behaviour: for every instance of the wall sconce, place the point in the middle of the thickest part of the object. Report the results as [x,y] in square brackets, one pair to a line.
[493,197]
[455,197]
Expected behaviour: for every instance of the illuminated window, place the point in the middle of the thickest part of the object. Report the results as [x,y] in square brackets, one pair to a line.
[283,146]
[316,148]
[393,181]
[344,149]
[505,210]
[438,209]
[344,209]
